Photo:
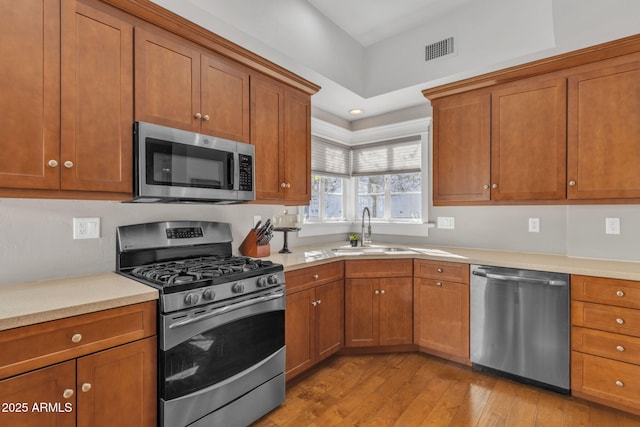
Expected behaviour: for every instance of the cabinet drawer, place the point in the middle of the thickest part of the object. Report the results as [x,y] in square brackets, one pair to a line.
[606,317]
[314,276]
[35,346]
[451,271]
[379,268]
[606,344]
[624,293]
[609,380]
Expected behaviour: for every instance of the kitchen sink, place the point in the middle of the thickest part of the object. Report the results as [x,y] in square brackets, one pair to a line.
[363,250]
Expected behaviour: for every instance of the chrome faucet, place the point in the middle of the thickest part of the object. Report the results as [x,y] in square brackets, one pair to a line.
[366,238]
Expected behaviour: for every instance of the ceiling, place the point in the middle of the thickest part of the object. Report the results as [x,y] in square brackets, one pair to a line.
[369,54]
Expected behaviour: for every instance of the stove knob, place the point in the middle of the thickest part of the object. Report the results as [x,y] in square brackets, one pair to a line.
[262,282]
[237,288]
[273,279]
[191,299]
[208,294]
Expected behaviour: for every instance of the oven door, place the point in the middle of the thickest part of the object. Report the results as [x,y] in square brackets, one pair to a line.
[175,164]
[213,355]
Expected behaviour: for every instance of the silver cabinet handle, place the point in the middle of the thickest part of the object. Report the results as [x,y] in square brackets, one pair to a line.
[382,292]
[86,387]
[620,348]
[288,185]
[315,277]
[314,303]
[620,321]
[494,185]
[52,163]
[572,183]
[439,270]
[197,116]
[68,164]
[67,393]
[619,383]
[620,293]
[439,284]
[319,301]
[283,185]
[377,292]
[486,186]
[205,117]
[76,338]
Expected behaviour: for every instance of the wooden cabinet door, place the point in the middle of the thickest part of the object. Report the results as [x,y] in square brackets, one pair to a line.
[603,129]
[442,316]
[297,146]
[118,387]
[97,100]
[167,80]
[267,130]
[396,311]
[224,99]
[300,319]
[30,88]
[461,148]
[329,318]
[528,140]
[361,313]
[47,386]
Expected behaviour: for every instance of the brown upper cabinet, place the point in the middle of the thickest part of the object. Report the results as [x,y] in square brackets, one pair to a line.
[281,133]
[559,130]
[507,143]
[182,86]
[604,130]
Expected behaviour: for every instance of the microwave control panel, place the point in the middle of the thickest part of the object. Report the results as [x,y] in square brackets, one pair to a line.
[246,172]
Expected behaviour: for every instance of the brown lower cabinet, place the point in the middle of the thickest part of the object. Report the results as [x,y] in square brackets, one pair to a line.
[314,327]
[378,303]
[97,369]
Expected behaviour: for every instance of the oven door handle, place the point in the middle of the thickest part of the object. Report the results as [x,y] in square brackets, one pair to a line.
[227,308]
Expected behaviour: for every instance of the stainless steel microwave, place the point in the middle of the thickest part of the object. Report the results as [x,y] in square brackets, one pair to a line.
[173,165]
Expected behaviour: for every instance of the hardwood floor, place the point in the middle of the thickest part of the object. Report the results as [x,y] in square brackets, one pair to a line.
[413,389]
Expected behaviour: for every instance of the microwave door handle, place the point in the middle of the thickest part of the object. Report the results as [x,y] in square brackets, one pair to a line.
[232,170]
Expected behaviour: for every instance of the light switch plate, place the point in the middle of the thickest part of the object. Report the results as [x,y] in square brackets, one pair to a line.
[612,225]
[446,222]
[86,228]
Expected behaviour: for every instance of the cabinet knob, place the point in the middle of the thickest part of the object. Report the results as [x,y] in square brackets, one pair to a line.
[315,277]
[288,185]
[439,284]
[620,293]
[319,301]
[620,321]
[619,383]
[197,116]
[620,348]
[76,338]
[382,292]
[572,183]
[86,387]
[67,393]
[486,186]
[439,270]
[205,117]
[52,163]
[494,185]
[283,185]
[377,292]
[314,303]
[68,164]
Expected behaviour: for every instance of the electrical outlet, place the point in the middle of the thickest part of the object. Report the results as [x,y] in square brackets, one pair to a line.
[446,222]
[612,225]
[86,228]
[534,225]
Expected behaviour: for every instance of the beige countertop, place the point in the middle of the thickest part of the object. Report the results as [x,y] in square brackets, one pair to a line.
[306,256]
[34,302]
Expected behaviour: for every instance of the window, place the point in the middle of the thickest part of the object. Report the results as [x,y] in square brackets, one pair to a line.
[386,177]
[396,197]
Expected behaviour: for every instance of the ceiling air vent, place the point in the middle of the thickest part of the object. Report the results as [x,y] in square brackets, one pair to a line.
[439,49]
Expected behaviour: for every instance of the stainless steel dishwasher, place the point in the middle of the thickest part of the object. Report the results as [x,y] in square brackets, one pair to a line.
[520,325]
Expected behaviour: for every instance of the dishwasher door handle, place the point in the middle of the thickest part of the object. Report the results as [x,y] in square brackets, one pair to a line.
[519,278]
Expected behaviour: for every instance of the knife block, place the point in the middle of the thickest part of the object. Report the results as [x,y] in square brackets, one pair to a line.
[250,247]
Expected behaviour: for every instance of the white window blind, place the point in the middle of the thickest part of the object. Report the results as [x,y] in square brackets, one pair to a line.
[329,158]
[388,157]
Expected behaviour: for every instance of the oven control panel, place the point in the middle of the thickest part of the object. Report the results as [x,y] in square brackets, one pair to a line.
[184,233]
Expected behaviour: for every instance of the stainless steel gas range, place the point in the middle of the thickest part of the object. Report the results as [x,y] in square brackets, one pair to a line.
[221,324]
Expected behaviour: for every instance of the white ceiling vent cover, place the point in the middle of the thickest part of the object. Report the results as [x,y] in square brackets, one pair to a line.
[439,49]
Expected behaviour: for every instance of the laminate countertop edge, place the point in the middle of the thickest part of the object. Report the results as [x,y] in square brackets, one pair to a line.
[29,303]
[307,256]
